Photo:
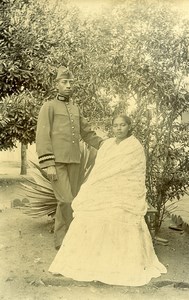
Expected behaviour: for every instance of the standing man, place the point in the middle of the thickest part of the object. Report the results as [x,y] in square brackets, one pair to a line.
[59,128]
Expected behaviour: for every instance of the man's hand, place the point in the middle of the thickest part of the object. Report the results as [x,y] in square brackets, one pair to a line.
[102,142]
[51,173]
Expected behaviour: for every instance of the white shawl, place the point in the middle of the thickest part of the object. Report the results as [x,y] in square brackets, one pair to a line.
[117,179]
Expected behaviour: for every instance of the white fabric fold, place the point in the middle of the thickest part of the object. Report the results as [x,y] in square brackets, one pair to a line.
[108,239]
[117,179]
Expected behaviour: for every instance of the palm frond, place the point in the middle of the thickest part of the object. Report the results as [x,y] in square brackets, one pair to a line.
[39,192]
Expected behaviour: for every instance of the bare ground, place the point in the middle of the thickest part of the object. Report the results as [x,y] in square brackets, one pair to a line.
[26,251]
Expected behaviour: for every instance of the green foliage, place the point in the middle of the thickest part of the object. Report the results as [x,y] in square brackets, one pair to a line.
[24,47]
[132,51]
[167,155]
[7,140]
[20,112]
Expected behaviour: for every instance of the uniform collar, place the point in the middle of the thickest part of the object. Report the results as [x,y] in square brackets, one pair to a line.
[63,98]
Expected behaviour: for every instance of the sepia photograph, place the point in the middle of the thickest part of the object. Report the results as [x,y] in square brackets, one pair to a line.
[94,149]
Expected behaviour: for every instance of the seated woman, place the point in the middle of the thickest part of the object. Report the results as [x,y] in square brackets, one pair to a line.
[108,239]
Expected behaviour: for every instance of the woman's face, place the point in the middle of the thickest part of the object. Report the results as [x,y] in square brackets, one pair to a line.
[120,128]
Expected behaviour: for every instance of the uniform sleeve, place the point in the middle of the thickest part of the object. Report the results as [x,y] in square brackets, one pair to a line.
[88,135]
[43,136]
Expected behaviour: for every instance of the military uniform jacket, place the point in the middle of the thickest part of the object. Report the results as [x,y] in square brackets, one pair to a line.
[59,128]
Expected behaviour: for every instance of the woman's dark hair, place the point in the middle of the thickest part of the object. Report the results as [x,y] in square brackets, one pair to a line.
[126,119]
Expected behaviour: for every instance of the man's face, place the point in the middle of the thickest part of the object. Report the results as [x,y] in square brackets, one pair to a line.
[64,86]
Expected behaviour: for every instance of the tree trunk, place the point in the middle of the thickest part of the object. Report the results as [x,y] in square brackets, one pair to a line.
[23,159]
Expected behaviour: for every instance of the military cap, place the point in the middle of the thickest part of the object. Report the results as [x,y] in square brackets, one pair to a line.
[64,73]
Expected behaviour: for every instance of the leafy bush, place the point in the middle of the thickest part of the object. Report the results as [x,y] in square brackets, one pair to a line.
[19,116]
[134,52]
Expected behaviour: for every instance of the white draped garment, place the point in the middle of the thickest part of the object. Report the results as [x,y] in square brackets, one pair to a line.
[108,239]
